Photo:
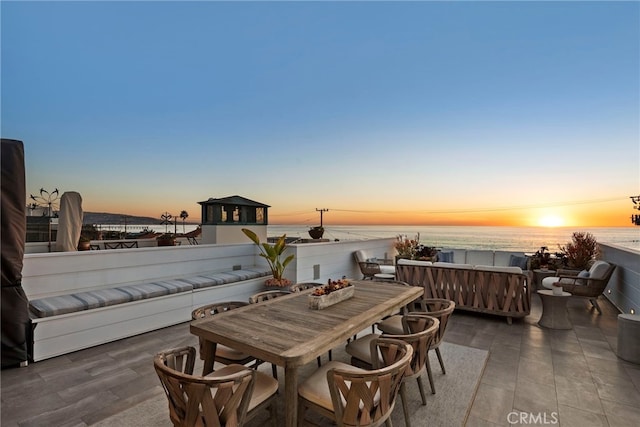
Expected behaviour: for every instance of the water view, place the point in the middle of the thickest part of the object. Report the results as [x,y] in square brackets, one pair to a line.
[527,239]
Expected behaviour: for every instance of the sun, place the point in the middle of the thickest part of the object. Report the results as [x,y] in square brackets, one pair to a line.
[551,221]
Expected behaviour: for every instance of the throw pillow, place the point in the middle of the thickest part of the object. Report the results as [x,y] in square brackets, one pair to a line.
[518,261]
[445,256]
[583,274]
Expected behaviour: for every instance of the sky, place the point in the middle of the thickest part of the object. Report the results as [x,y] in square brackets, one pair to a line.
[408,113]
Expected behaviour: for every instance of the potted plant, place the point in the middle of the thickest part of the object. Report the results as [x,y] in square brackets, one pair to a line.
[84,244]
[273,253]
[316,232]
[406,248]
[166,239]
[581,251]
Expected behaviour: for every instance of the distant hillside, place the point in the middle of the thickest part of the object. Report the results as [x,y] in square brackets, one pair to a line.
[116,219]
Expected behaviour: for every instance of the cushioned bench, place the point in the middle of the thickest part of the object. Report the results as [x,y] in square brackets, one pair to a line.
[68,322]
[63,304]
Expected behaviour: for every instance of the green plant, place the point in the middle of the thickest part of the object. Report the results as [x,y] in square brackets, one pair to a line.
[273,253]
[581,251]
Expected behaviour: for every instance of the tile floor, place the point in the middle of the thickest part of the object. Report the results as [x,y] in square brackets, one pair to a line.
[534,376]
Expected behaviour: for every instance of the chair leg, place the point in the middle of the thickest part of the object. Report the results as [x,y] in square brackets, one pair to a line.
[405,408]
[274,371]
[330,355]
[430,375]
[594,303]
[319,361]
[440,360]
[273,411]
[421,388]
[301,410]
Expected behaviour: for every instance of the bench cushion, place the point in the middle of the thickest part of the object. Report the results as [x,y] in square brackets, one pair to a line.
[63,304]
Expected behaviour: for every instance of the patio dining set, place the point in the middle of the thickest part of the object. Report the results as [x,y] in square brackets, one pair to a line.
[281,328]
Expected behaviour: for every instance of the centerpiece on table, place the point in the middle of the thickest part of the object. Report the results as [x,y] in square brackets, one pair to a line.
[332,293]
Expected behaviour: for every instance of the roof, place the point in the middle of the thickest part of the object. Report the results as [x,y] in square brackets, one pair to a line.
[234,200]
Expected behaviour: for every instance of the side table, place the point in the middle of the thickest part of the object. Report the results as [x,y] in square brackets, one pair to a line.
[554,310]
[541,273]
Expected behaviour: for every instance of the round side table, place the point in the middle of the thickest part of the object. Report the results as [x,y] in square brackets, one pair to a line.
[554,310]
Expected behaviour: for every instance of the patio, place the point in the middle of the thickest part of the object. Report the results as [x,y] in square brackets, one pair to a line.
[573,376]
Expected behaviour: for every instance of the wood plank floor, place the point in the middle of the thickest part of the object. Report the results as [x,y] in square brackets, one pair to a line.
[566,378]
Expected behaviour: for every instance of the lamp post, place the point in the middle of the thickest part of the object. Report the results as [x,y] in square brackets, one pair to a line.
[46,200]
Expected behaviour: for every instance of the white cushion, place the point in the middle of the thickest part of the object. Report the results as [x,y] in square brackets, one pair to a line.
[392,325]
[361,255]
[387,269]
[498,269]
[475,257]
[404,261]
[451,265]
[315,389]
[361,347]
[264,387]
[548,282]
[598,269]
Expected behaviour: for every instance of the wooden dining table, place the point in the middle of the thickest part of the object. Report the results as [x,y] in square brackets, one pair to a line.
[286,332]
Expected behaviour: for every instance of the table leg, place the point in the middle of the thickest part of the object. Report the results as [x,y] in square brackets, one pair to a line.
[209,356]
[291,396]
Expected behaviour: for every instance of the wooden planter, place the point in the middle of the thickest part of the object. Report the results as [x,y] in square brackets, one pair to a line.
[324,301]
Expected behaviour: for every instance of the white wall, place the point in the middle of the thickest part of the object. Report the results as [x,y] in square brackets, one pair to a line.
[624,287]
[334,259]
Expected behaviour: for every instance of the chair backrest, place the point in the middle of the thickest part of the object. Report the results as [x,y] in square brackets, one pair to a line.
[441,309]
[595,285]
[211,309]
[422,331]
[600,270]
[299,287]
[266,296]
[202,401]
[367,398]
[360,256]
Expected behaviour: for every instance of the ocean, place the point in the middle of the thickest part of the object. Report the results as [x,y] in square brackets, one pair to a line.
[525,239]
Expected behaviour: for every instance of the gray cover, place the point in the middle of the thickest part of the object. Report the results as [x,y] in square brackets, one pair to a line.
[16,325]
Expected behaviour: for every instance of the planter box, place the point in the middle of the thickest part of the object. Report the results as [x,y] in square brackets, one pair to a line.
[324,301]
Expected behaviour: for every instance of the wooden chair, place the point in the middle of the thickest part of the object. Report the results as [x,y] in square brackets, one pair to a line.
[441,309]
[422,330]
[299,287]
[351,396]
[224,354]
[227,397]
[266,296]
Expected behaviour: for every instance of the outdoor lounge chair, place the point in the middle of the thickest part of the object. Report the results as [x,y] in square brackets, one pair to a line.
[584,284]
[369,266]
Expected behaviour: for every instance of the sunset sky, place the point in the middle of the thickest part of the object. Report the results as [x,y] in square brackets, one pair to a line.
[426,113]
